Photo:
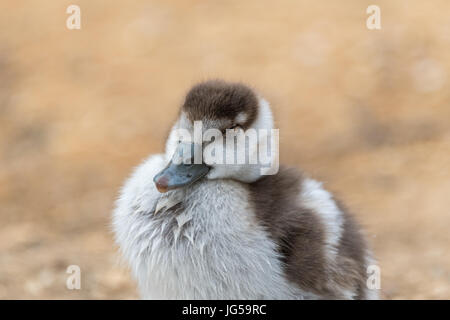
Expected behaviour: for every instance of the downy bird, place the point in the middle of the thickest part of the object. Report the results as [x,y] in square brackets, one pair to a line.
[199,230]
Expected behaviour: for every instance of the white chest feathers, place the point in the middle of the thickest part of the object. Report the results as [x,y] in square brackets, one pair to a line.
[209,246]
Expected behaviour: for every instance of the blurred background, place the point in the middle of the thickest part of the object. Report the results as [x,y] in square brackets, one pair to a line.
[366,111]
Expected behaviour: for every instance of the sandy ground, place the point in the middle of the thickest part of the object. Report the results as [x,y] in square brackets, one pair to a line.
[365,111]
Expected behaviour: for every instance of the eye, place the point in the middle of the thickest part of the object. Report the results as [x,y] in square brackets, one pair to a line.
[233,127]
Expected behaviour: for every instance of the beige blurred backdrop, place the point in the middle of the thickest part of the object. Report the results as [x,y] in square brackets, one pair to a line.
[366,111]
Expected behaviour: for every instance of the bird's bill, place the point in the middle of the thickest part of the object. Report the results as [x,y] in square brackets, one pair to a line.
[177,174]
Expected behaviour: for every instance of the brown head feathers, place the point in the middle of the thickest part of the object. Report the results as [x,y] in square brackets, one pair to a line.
[218,100]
